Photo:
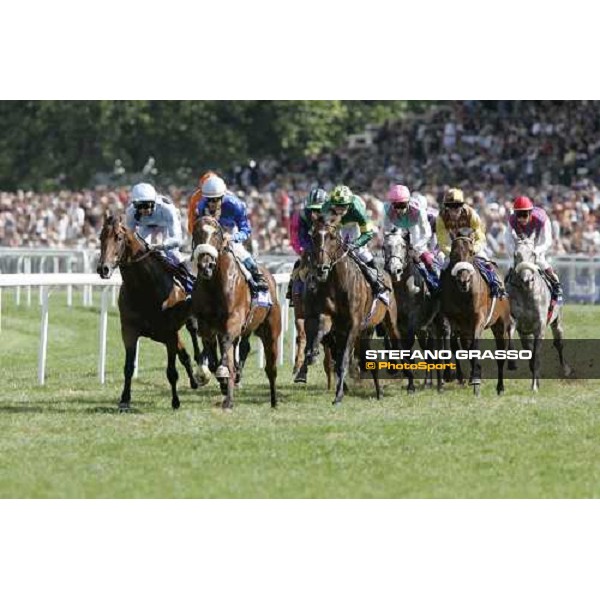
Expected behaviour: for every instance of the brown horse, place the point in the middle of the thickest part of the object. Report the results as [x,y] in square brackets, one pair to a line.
[223,304]
[300,297]
[470,308]
[344,301]
[418,312]
[148,288]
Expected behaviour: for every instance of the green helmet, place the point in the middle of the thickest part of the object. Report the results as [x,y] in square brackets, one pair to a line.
[316,198]
[341,195]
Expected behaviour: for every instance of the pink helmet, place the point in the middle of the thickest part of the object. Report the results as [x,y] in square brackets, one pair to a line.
[398,193]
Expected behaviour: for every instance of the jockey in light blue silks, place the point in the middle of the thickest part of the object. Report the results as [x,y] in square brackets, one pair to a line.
[150,214]
[230,211]
[409,214]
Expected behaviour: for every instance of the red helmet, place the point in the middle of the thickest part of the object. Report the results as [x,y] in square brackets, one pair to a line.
[522,203]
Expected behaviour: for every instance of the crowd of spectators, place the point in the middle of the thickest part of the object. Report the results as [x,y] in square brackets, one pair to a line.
[495,151]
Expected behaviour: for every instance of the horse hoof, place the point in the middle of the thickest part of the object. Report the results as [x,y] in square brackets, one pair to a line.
[477,389]
[500,392]
[300,378]
[202,375]
[337,403]
[222,372]
[175,404]
[410,391]
[124,407]
[193,384]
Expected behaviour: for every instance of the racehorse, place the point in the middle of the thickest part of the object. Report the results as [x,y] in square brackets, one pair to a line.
[470,308]
[418,313]
[345,302]
[222,302]
[148,287]
[302,297]
[532,310]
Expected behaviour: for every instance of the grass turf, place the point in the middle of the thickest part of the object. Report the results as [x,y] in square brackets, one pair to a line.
[66,439]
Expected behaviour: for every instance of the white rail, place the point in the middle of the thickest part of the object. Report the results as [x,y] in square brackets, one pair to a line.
[47,281]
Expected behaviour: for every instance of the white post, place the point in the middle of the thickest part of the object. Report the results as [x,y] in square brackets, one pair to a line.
[18,295]
[114,296]
[69,287]
[137,359]
[43,338]
[294,334]
[261,356]
[103,327]
[28,295]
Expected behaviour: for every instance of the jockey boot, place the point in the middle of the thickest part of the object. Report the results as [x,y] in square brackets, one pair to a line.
[557,290]
[379,289]
[259,283]
[185,278]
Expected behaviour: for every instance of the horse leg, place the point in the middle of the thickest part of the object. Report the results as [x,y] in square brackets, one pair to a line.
[269,333]
[314,328]
[454,346]
[192,326]
[300,343]
[172,375]
[130,340]
[475,375]
[501,334]
[244,350]
[225,372]
[528,343]
[184,358]
[425,344]
[328,365]
[345,348]
[557,334]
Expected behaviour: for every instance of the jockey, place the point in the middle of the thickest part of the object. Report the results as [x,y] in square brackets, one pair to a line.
[410,214]
[195,199]
[351,208]
[231,214]
[528,221]
[456,215]
[300,228]
[148,214]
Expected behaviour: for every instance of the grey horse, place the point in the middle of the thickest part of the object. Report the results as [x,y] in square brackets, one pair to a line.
[530,308]
[418,313]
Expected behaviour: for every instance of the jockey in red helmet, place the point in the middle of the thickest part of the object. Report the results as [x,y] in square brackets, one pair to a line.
[532,222]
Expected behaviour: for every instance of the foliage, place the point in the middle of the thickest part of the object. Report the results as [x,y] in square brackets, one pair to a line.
[55,143]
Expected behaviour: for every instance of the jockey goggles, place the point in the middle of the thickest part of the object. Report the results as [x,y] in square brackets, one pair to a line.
[452,205]
[400,205]
[522,214]
[216,199]
[148,205]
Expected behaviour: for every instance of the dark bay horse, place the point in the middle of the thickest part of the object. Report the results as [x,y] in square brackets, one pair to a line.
[302,297]
[531,308]
[148,288]
[344,303]
[470,308]
[419,315]
[223,305]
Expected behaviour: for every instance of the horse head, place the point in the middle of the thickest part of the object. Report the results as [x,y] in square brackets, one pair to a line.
[327,248]
[113,244]
[395,252]
[208,242]
[525,251]
[525,262]
[461,256]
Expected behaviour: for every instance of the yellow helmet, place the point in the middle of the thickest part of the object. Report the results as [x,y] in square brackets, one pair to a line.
[454,196]
[341,195]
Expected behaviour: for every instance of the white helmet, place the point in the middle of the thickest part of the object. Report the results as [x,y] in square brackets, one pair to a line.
[143,192]
[214,187]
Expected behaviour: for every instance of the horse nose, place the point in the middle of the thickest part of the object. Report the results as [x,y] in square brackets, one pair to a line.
[103,271]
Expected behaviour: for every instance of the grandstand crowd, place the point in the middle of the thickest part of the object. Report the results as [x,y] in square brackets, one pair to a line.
[494,151]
